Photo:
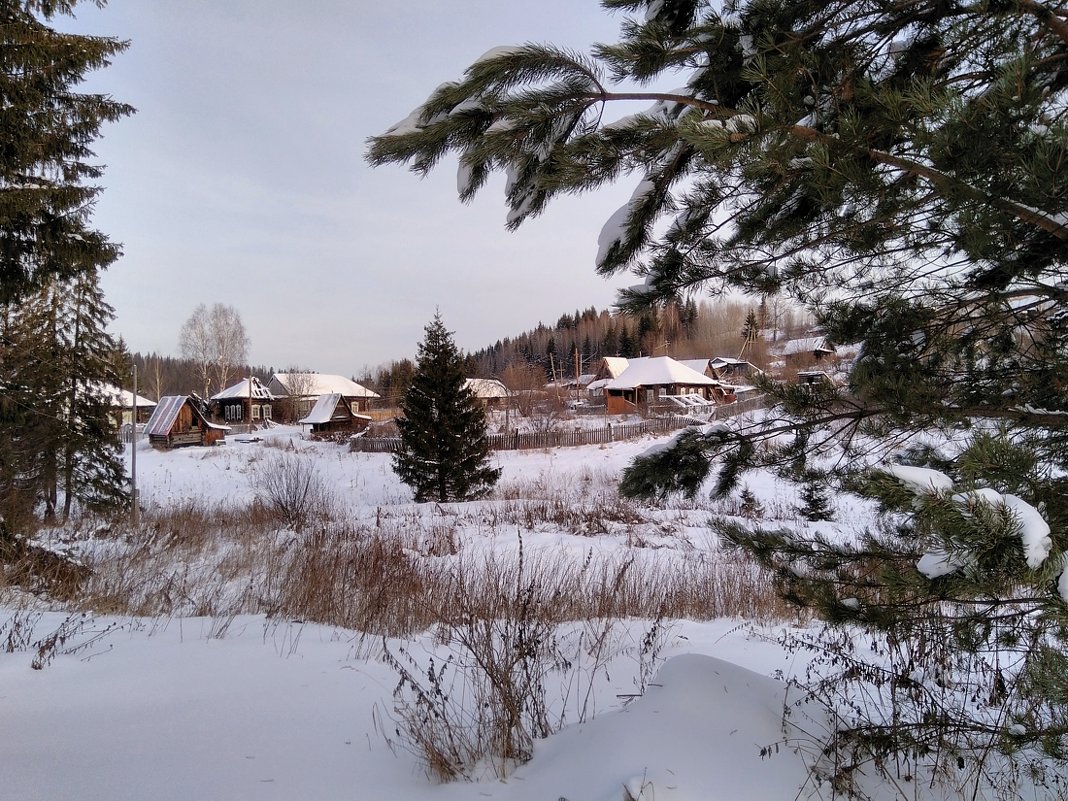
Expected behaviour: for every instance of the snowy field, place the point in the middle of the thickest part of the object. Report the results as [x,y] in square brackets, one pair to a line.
[262,705]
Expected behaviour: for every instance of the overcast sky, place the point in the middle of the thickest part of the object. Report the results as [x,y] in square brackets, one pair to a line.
[241,178]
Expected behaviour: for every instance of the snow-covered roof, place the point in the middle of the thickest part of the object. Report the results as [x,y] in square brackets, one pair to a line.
[123,397]
[487,388]
[698,365]
[658,371]
[615,365]
[806,345]
[241,390]
[311,384]
[323,410]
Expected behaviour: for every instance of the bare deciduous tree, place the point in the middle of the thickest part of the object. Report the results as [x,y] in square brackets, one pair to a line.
[231,342]
[215,339]
[300,385]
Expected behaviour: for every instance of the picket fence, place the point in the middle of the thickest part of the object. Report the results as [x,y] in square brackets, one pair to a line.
[612,432]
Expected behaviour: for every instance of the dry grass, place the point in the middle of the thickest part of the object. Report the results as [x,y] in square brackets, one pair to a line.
[401,569]
[517,619]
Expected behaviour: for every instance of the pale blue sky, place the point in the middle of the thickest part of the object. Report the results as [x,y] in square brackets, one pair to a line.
[241,178]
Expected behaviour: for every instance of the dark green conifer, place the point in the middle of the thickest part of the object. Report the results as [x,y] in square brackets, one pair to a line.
[444,454]
[47,248]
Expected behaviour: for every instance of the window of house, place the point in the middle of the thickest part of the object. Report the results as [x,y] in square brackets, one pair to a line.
[255,412]
[266,411]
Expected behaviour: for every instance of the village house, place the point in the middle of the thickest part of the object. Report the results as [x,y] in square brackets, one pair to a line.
[805,352]
[649,382]
[233,404]
[491,392]
[302,390]
[121,402]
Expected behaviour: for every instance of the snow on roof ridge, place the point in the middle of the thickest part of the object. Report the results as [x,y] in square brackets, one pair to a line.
[656,370]
[326,383]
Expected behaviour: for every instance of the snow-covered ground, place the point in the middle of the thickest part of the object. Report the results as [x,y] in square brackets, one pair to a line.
[285,711]
[251,707]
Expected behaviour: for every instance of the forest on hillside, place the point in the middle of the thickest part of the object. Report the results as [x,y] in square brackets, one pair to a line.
[551,352]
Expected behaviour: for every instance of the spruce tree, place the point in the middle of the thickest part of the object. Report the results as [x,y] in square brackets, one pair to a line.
[93,472]
[45,164]
[898,170]
[46,242]
[444,454]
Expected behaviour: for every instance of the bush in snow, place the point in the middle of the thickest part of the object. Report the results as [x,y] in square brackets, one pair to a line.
[292,486]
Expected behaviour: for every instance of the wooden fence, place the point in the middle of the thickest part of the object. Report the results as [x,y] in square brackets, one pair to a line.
[612,432]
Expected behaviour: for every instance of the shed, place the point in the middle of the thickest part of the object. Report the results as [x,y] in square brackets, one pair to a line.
[333,413]
[177,421]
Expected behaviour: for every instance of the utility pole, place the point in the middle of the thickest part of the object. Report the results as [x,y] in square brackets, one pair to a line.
[578,366]
[135,511]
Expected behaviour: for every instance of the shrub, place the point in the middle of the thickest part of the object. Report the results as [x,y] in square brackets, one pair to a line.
[293,488]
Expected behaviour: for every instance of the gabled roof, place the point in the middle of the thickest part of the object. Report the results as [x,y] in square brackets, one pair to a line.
[324,408]
[806,345]
[658,371]
[122,397]
[615,365]
[313,384]
[159,424]
[240,390]
[697,365]
[487,388]
[166,412]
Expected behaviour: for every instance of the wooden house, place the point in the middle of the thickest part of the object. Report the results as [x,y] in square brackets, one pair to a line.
[608,370]
[245,400]
[302,390]
[122,405]
[178,421]
[802,353]
[648,382]
[491,392]
[333,413]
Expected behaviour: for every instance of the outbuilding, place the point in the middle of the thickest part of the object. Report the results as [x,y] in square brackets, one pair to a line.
[177,421]
[334,413]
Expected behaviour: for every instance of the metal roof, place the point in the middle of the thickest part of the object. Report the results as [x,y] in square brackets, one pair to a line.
[323,409]
[166,412]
